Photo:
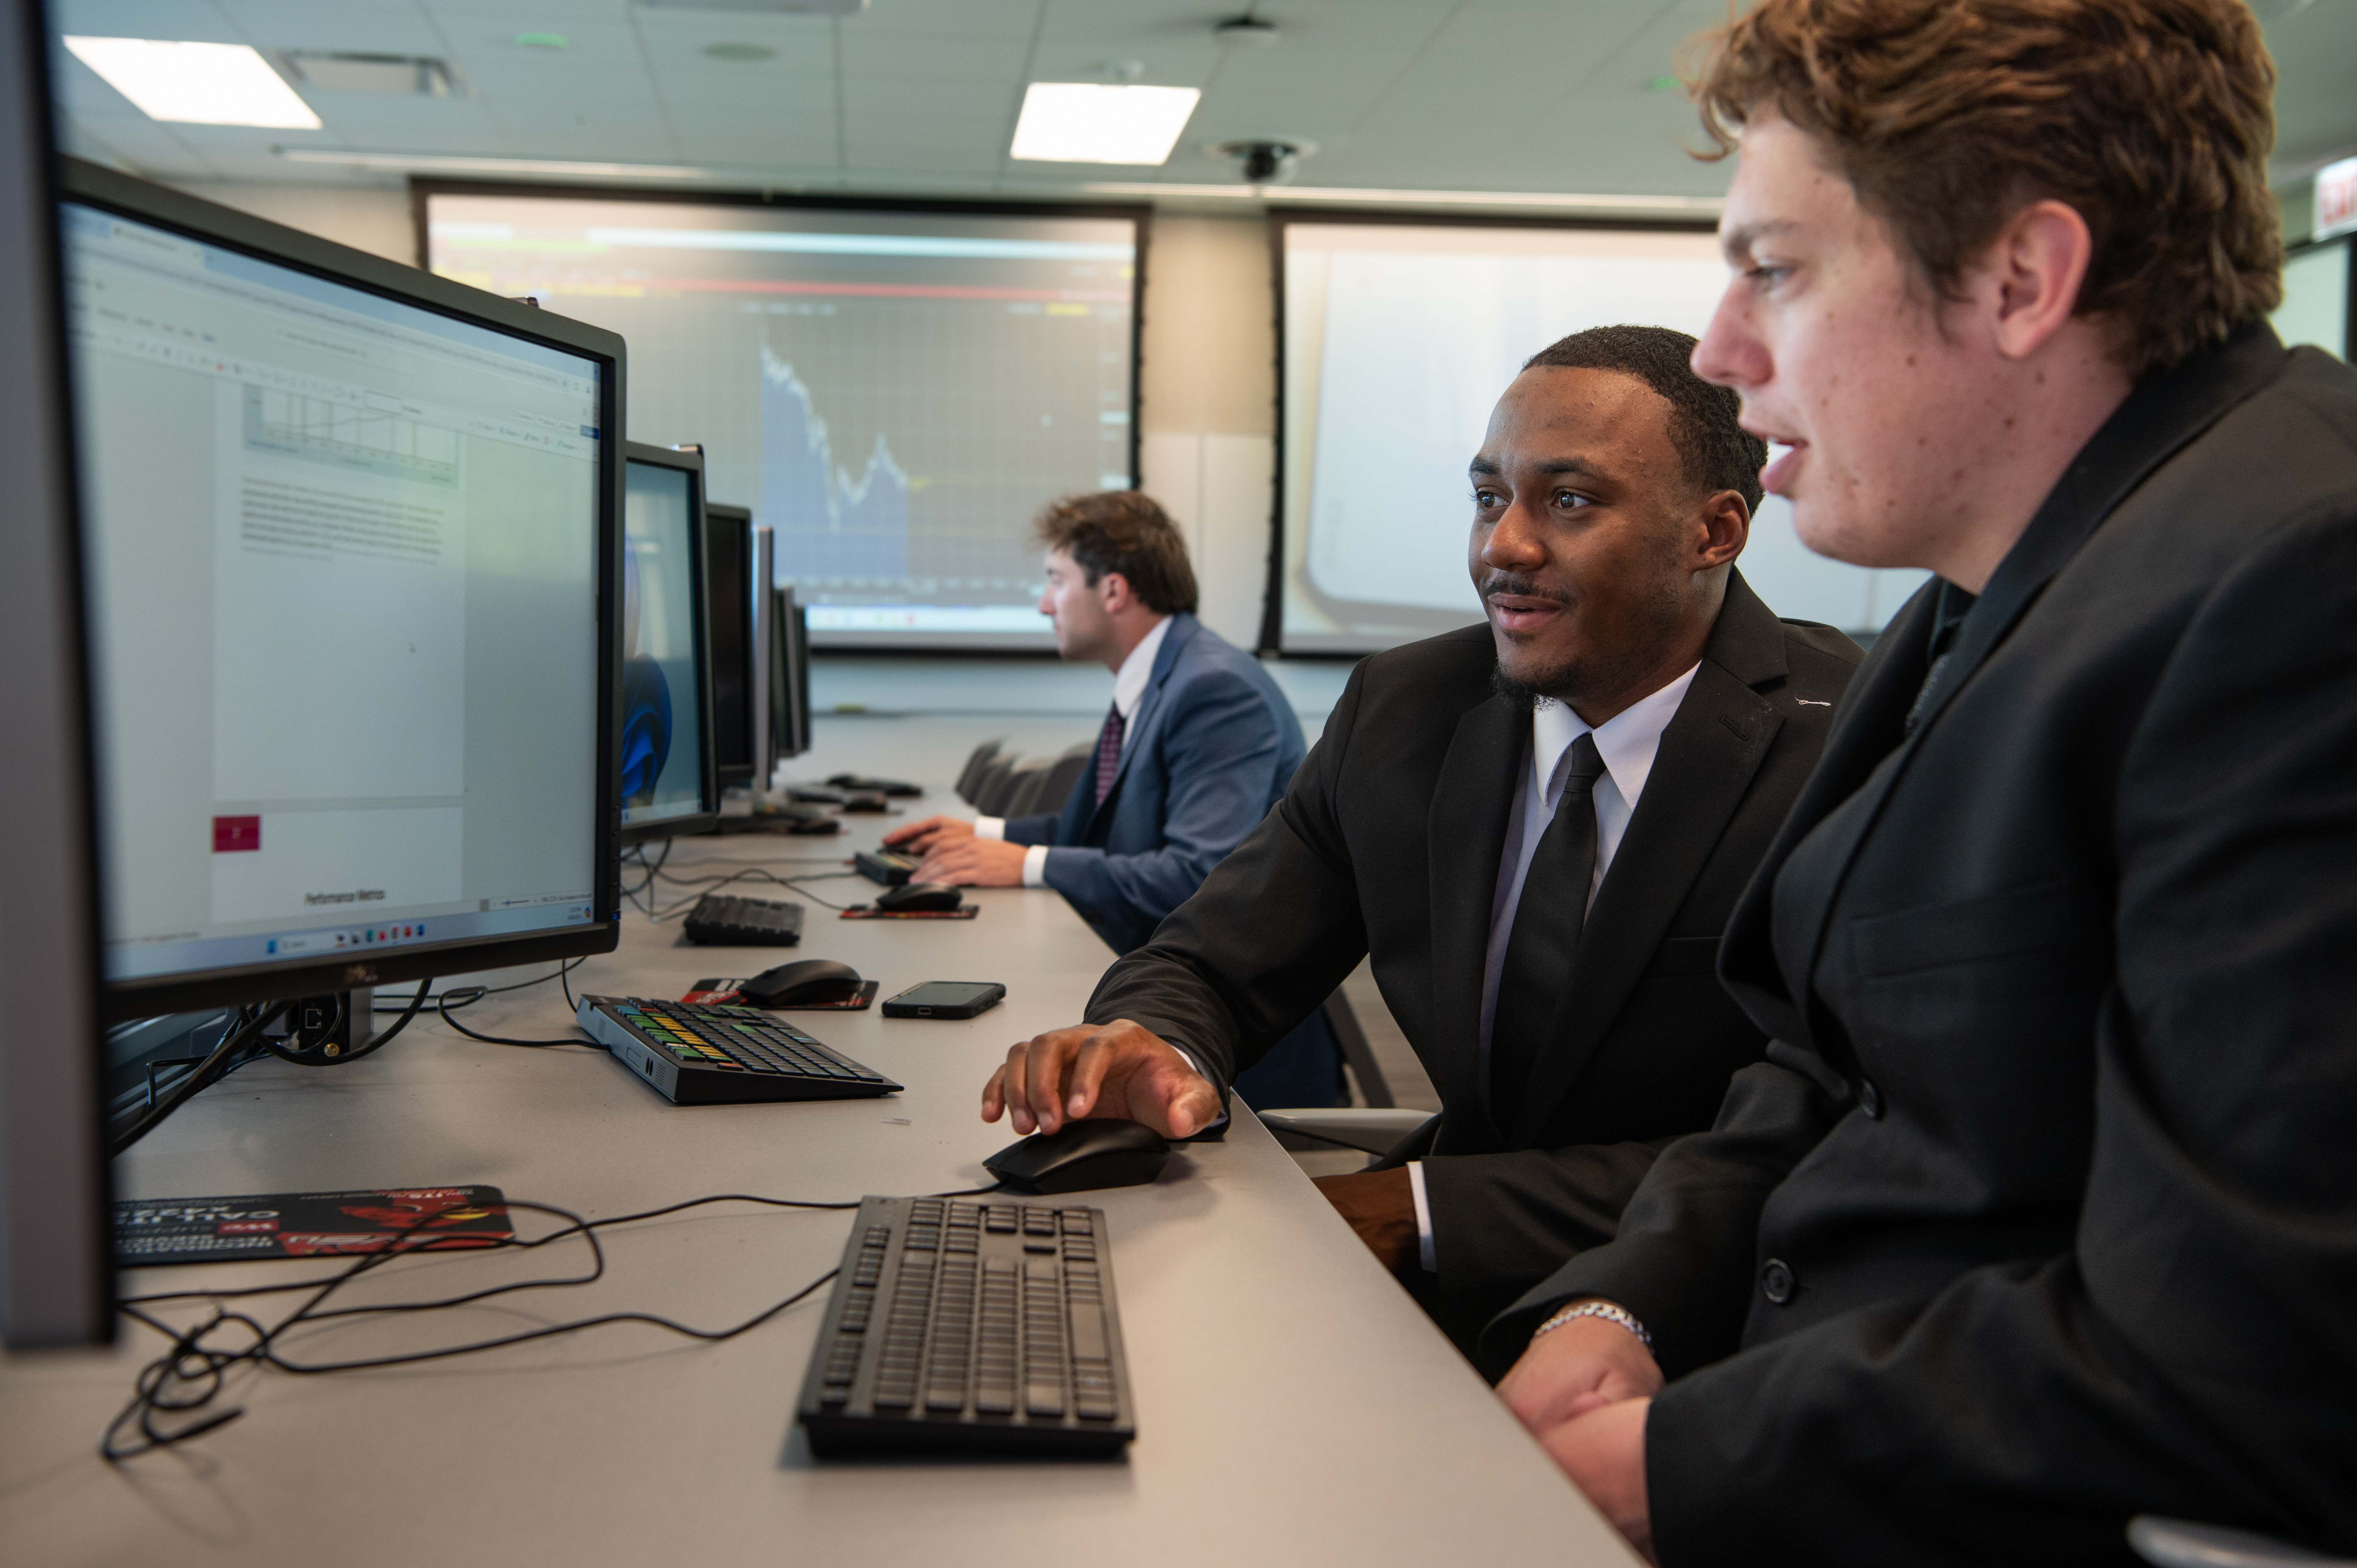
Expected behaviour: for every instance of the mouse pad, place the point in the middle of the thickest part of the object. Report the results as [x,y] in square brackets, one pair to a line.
[723,992]
[308,1224]
[869,912]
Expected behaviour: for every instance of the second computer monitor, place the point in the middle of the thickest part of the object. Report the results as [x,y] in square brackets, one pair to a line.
[790,707]
[728,576]
[669,781]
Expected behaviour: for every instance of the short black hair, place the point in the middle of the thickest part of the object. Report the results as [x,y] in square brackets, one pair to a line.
[1124,531]
[1718,452]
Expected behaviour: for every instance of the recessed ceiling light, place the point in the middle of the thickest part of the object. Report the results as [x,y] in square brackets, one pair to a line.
[1090,123]
[744,53]
[196,84]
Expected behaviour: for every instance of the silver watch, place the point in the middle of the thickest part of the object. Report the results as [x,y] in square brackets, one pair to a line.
[1608,1311]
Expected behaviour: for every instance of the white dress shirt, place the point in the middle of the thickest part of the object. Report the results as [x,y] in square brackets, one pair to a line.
[1627,743]
[1128,690]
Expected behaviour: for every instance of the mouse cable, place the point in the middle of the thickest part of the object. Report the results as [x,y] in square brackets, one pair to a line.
[443,1007]
[192,1373]
[467,995]
[796,884]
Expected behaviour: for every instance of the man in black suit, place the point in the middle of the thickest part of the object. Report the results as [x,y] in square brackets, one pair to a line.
[1537,827]
[2041,1212]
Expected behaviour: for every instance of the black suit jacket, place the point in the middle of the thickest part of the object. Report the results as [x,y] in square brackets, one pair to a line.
[1388,840]
[2043,1211]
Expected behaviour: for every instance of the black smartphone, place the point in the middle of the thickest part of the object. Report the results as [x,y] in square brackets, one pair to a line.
[945,999]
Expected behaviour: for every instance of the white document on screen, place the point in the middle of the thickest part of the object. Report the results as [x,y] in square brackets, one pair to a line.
[340,529]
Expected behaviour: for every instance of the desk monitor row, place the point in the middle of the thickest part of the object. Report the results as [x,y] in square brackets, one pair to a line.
[320,627]
[760,652]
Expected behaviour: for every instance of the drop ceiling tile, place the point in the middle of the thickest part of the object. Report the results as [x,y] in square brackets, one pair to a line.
[948,18]
[187,21]
[921,55]
[925,100]
[395,29]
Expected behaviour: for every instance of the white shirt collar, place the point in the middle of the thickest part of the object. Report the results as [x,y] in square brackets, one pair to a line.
[1129,681]
[1628,741]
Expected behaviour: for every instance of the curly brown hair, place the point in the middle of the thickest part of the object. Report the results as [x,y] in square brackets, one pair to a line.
[2151,119]
[1125,531]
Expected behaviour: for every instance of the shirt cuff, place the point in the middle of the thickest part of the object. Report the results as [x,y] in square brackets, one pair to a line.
[1423,1219]
[990,827]
[1035,865]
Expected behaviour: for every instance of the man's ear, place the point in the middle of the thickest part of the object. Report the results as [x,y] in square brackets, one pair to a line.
[1113,592]
[2031,275]
[1721,530]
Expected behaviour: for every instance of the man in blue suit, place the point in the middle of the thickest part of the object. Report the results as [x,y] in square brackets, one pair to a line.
[1198,744]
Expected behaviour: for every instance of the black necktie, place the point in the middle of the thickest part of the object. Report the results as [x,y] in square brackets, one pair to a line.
[1547,921]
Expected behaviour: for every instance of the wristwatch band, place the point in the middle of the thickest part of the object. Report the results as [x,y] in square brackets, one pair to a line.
[1608,1311]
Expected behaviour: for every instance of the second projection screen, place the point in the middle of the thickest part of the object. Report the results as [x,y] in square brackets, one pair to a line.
[1398,339]
[897,393]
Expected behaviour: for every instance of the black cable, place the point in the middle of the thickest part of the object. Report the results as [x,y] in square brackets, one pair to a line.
[443,1007]
[191,1373]
[796,884]
[203,1074]
[474,994]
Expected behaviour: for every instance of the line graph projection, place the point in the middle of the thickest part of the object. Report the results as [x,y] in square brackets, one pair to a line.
[838,529]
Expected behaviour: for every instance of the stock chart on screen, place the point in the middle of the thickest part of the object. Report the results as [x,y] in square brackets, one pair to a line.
[897,393]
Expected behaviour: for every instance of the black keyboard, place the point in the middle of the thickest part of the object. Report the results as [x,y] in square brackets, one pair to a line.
[697,1054]
[889,866]
[802,819]
[983,1325]
[732,921]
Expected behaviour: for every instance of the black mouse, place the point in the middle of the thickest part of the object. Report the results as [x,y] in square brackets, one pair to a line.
[920,896]
[806,979]
[1096,1151]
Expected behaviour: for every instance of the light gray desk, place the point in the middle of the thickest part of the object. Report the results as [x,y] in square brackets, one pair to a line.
[1293,1405]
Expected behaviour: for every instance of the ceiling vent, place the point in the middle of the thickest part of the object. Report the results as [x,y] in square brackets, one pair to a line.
[762,7]
[342,72]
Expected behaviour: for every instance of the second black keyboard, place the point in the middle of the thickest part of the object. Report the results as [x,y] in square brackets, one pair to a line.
[984,1325]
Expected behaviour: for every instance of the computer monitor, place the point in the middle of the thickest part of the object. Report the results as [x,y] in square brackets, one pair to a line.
[764,740]
[729,581]
[56,1268]
[789,712]
[352,539]
[669,785]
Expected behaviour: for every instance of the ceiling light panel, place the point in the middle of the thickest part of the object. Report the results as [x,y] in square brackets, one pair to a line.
[1090,123]
[196,84]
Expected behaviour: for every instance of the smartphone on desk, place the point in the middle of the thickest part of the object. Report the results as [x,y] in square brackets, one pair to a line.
[945,999]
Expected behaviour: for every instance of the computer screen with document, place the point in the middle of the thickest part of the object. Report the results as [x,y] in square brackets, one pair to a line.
[352,540]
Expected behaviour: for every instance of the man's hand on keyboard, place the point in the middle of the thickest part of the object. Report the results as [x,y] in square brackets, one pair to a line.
[916,838]
[1109,1069]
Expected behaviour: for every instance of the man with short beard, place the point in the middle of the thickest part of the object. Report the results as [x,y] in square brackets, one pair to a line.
[1535,827]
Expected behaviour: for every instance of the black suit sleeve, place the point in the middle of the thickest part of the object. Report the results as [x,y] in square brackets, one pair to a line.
[2193,1352]
[1682,1259]
[1501,1222]
[1272,931]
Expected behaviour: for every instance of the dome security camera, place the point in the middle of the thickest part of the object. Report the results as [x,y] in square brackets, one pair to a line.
[1265,162]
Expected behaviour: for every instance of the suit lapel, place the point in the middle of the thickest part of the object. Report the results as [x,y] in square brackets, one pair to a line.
[1711,748]
[1464,837]
[1149,708]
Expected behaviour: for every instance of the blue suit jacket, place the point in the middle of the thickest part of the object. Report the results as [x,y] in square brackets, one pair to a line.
[1210,748]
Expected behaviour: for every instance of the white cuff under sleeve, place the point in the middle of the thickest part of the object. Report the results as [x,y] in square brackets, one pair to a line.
[1423,1219]
[990,827]
[1035,866]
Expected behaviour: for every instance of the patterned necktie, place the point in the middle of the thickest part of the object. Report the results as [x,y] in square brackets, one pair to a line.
[1547,922]
[1108,753]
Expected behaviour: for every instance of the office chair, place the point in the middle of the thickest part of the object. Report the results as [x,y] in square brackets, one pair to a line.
[1374,1127]
[970,774]
[988,789]
[2180,1544]
[1056,785]
[1023,786]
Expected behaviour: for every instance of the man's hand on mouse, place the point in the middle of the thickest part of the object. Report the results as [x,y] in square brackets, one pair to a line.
[916,838]
[1381,1206]
[973,863]
[1119,1069]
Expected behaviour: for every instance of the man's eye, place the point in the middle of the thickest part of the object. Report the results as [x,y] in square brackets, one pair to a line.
[1485,499]
[1571,500]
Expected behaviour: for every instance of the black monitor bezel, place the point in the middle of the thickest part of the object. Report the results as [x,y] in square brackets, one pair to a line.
[91,185]
[738,519]
[707,812]
[57,1260]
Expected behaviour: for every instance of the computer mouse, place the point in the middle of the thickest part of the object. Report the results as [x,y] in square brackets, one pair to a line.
[806,980]
[1096,1151]
[915,896]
